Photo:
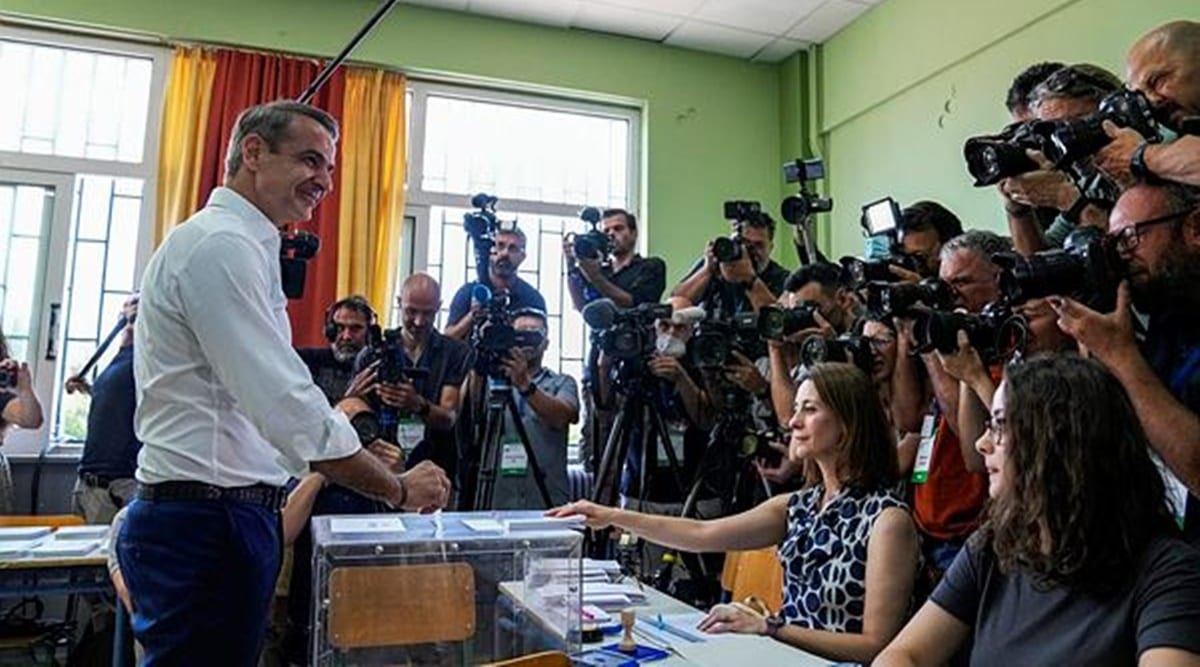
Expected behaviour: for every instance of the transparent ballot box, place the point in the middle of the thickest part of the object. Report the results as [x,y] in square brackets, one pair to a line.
[409,589]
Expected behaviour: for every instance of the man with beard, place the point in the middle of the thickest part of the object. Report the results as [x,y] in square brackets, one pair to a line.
[348,325]
[1164,64]
[1157,231]
[508,252]
[746,283]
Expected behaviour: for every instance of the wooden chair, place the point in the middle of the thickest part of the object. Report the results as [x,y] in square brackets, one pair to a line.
[754,573]
[51,520]
[544,659]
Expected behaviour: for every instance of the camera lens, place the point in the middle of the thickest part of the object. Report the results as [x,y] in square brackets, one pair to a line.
[726,249]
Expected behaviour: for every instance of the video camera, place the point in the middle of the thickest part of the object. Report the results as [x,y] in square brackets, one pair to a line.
[712,346]
[493,336]
[777,322]
[1087,268]
[995,333]
[295,249]
[884,299]
[625,333]
[729,249]
[797,209]
[847,348]
[592,244]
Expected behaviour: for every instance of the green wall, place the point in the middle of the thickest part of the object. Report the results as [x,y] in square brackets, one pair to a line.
[903,87]
[711,124]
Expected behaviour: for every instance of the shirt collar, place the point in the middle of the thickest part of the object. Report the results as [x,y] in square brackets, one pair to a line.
[260,226]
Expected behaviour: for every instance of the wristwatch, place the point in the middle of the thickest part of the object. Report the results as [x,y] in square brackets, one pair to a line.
[774,623]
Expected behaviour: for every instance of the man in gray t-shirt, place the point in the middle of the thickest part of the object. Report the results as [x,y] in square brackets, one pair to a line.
[549,404]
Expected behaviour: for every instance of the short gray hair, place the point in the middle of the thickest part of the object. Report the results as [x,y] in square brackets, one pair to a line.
[978,241]
[271,121]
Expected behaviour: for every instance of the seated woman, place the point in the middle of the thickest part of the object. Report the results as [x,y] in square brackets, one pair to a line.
[1078,561]
[846,541]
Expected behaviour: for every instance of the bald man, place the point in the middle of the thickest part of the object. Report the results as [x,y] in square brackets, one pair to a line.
[1164,64]
[426,404]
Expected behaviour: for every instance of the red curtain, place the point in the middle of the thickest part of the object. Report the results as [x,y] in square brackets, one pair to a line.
[245,79]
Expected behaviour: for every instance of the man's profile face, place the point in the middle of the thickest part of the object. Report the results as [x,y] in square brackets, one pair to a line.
[1170,80]
[351,333]
[508,253]
[924,246]
[291,180]
[972,277]
[620,234]
[418,311]
[758,244]
[1158,248]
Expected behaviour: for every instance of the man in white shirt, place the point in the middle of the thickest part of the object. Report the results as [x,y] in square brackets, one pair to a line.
[227,411]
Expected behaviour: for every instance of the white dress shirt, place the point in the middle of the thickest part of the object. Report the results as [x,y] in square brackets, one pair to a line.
[222,397]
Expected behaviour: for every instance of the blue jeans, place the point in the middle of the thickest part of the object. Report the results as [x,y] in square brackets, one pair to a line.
[200,576]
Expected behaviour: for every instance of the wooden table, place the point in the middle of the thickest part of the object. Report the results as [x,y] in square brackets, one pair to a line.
[722,650]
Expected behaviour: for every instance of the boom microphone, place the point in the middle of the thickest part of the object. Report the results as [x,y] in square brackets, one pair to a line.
[600,313]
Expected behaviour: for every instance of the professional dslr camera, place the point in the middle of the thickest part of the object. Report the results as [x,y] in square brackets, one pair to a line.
[777,322]
[393,369]
[993,158]
[756,445]
[847,348]
[1073,140]
[738,212]
[879,218]
[592,244]
[884,299]
[295,249]
[995,333]
[1087,268]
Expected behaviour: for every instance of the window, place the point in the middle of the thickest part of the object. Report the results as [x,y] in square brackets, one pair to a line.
[544,158]
[79,143]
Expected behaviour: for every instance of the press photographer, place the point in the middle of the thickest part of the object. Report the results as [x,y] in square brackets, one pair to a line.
[1018,99]
[548,403]
[350,326]
[1157,231]
[737,273]
[911,239]
[1164,65]
[1077,191]
[503,246]
[412,378]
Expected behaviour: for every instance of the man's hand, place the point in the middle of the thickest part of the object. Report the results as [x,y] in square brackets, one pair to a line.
[401,396]
[364,382]
[20,371]
[427,487]
[516,367]
[667,368]
[743,373]
[77,384]
[569,250]
[710,259]
[591,269]
[904,274]
[782,473]
[390,455]
[964,364]
[823,329]
[1114,158]
[740,271]
[1108,336]
[1046,187]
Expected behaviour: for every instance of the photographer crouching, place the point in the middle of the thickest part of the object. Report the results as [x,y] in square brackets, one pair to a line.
[1156,229]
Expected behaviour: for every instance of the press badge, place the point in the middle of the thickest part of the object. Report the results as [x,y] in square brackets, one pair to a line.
[513,460]
[409,432]
[920,473]
[676,446]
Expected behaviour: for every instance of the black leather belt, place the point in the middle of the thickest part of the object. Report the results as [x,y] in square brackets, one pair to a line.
[271,497]
[97,481]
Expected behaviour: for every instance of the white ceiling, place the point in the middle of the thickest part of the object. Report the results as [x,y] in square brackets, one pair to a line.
[761,30]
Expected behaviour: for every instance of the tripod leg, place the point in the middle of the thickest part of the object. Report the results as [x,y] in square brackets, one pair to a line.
[607,475]
[489,457]
[539,476]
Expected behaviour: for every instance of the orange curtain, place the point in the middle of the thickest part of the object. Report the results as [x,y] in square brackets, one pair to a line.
[184,126]
[373,170]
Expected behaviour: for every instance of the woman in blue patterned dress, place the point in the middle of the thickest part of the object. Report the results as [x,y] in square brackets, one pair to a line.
[846,541]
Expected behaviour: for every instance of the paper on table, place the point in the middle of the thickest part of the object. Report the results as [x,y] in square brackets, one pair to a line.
[92,532]
[64,549]
[23,532]
[360,525]
[484,525]
[544,523]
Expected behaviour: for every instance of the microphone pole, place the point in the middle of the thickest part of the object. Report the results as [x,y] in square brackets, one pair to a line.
[103,346]
[332,65]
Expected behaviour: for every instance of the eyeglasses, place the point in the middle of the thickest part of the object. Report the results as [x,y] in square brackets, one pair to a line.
[995,429]
[1127,239]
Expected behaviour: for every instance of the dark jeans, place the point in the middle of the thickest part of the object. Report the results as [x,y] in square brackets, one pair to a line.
[201,575]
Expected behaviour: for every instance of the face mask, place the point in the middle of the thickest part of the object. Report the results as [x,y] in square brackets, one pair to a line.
[670,346]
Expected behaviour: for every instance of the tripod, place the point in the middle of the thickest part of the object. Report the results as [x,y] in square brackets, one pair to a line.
[500,402]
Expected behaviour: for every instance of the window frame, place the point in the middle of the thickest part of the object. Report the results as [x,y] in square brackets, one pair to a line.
[72,167]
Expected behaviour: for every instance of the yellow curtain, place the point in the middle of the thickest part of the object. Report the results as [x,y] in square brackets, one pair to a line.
[181,147]
[371,210]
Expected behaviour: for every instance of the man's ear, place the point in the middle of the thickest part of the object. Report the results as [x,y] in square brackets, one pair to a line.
[253,149]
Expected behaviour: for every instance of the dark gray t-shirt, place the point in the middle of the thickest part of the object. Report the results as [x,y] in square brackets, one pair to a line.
[515,485]
[1015,623]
